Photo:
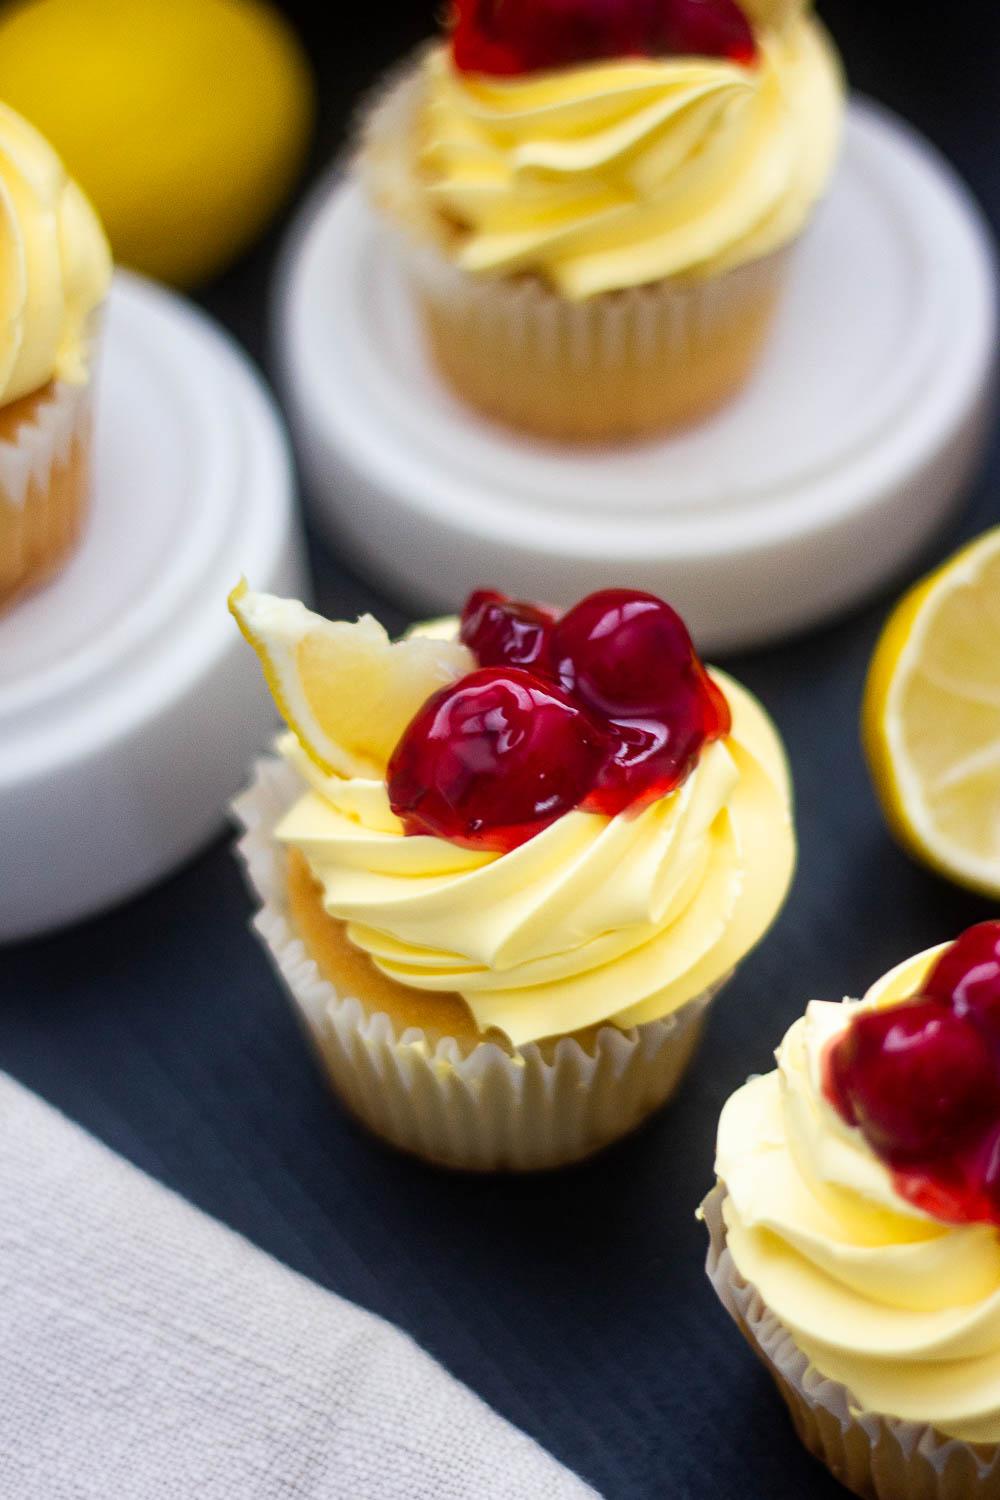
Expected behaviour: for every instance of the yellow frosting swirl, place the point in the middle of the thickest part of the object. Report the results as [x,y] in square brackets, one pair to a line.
[619,173]
[594,919]
[902,1309]
[54,264]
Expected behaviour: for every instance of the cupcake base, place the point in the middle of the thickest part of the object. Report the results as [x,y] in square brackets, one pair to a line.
[877,1457]
[622,364]
[45,484]
[458,1101]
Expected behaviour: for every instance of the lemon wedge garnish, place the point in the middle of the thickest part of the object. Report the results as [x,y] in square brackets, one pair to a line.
[345,690]
[930,718]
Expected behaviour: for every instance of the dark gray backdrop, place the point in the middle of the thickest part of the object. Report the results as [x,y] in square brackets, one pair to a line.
[576,1303]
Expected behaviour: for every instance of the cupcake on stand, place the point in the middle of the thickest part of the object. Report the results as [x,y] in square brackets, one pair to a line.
[595,204]
[624,286]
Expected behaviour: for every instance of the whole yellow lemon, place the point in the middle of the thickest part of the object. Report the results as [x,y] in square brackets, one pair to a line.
[185,121]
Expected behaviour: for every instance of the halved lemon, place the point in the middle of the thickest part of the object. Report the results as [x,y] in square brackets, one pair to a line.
[345,689]
[930,718]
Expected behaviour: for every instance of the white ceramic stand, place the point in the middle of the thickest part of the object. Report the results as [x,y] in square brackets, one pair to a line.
[129,706]
[826,475]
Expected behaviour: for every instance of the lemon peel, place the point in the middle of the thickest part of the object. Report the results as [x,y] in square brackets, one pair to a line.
[344,689]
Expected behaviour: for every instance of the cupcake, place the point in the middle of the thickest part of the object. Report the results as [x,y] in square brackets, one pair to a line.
[53,276]
[854,1227]
[594,203]
[506,862]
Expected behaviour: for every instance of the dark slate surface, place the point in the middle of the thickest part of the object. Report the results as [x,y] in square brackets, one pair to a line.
[576,1303]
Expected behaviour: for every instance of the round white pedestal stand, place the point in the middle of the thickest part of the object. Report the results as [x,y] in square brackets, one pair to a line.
[130,708]
[827,474]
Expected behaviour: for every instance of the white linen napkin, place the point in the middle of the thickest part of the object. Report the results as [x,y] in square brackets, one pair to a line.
[149,1353]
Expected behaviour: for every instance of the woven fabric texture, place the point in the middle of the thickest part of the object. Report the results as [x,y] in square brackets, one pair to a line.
[148,1352]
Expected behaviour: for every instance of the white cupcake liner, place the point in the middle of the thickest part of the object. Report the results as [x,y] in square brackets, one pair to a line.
[43,507]
[619,340]
[44,443]
[878,1457]
[467,1105]
[623,361]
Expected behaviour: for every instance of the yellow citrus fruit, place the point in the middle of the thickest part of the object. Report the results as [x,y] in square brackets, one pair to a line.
[185,121]
[346,690]
[930,719]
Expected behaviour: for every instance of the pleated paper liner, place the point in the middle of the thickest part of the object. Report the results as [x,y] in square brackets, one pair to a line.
[622,363]
[45,483]
[473,1105]
[877,1457]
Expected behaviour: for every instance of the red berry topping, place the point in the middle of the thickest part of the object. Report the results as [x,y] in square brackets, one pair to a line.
[508,37]
[604,708]
[967,976]
[916,1078]
[493,759]
[627,657]
[988,1171]
[502,632]
[922,1081]
[624,653]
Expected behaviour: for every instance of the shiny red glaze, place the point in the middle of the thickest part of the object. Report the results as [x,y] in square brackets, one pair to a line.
[493,759]
[917,1079]
[628,658]
[986,1174]
[967,976]
[624,653]
[502,632]
[510,37]
[499,755]
[952,1190]
[962,1186]
[922,1081]
[647,763]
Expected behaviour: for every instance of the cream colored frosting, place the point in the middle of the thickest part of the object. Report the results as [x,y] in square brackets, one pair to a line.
[594,919]
[901,1308]
[54,264]
[615,174]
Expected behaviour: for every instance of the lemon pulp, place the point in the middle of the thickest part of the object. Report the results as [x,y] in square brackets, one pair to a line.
[931,717]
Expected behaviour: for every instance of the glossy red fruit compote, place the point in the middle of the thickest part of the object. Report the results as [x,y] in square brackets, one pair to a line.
[502,632]
[604,708]
[967,976]
[628,657]
[922,1082]
[493,759]
[506,38]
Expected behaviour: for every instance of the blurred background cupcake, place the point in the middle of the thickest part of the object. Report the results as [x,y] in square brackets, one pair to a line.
[595,204]
[54,272]
[183,159]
